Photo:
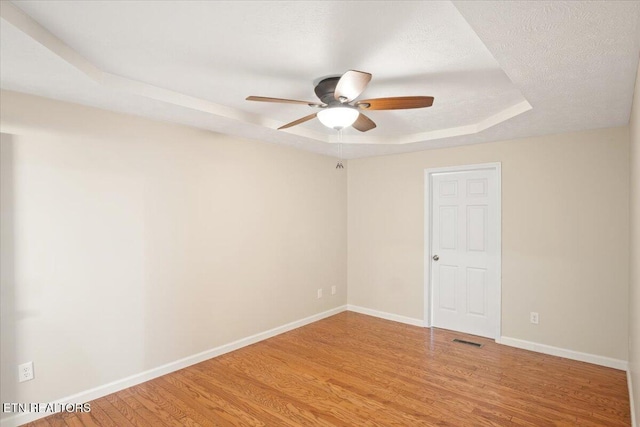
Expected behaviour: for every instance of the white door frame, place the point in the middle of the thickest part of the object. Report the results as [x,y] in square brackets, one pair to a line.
[497,166]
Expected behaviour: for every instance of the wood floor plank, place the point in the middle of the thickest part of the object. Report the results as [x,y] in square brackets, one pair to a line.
[356,370]
[268,407]
[89,419]
[168,412]
[380,389]
[406,368]
[98,414]
[150,418]
[211,405]
[73,421]
[437,387]
[287,409]
[126,411]
[56,420]
[112,412]
[324,396]
[182,407]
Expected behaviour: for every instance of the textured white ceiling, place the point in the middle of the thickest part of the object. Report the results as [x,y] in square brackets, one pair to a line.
[498,70]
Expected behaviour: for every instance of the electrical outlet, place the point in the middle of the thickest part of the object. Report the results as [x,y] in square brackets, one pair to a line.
[319,293]
[333,290]
[25,372]
[534,318]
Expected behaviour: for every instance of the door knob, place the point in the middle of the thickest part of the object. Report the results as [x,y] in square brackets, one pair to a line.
[436,257]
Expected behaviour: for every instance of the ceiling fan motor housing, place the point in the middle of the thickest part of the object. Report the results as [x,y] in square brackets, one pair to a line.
[325,90]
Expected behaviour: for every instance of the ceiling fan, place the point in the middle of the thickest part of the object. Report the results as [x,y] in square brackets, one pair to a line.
[337,107]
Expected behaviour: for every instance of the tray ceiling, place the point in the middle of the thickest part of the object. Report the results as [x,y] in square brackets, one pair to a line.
[497,70]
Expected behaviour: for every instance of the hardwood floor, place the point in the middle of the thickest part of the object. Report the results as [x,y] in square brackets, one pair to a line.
[356,370]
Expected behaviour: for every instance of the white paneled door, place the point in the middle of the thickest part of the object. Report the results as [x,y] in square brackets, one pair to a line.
[465,288]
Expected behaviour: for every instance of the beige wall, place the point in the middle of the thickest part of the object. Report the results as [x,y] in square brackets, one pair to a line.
[565,235]
[634,287]
[128,244]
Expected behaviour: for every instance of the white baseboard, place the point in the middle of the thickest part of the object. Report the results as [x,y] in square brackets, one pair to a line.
[100,391]
[563,352]
[384,315]
[634,421]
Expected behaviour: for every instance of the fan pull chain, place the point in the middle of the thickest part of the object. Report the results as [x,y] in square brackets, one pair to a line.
[339,165]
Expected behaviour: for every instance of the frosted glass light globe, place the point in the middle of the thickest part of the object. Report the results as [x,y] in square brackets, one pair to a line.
[338,117]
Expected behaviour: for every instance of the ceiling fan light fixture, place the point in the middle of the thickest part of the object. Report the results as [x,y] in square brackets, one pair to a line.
[338,117]
[338,108]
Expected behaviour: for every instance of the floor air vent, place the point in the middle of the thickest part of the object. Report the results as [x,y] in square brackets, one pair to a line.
[475,344]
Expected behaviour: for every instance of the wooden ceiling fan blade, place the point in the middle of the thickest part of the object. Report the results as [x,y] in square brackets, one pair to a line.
[395,103]
[363,123]
[282,100]
[297,122]
[351,85]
